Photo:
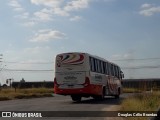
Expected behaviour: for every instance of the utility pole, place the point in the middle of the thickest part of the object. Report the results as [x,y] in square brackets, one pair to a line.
[1,61]
[131,63]
[9,82]
[1,55]
[1,65]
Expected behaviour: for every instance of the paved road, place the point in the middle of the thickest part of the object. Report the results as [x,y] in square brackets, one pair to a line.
[61,103]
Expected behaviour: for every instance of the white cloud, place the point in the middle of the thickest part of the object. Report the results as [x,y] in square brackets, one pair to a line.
[122,56]
[16,5]
[43,15]
[60,12]
[49,10]
[146,5]
[108,0]
[76,5]
[29,24]
[59,7]
[19,9]
[75,18]
[47,35]
[49,3]
[149,9]
[24,15]
[36,50]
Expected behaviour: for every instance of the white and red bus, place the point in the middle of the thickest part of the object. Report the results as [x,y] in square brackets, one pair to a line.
[84,75]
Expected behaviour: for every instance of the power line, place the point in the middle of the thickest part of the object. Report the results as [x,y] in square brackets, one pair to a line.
[31,70]
[10,62]
[49,62]
[136,59]
[51,70]
[142,67]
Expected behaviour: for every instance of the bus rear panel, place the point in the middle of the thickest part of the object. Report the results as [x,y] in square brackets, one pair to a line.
[71,76]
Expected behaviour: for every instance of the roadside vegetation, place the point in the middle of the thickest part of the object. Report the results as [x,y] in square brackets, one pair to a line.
[9,94]
[131,90]
[144,101]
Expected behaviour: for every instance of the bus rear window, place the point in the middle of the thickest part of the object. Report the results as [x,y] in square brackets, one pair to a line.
[70,59]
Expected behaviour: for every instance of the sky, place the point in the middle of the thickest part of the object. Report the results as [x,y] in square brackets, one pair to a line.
[33,32]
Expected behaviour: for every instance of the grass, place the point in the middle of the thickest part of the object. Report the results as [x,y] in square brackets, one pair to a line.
[9,94]
[142,102]
[131,90]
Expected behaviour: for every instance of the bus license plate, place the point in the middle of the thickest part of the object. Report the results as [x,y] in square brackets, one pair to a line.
[70,86]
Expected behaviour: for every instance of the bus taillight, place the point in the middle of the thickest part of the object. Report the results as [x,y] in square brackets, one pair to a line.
[87,82]
[55,83]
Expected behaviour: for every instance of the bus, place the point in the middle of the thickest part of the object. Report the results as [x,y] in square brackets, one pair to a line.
[84,75]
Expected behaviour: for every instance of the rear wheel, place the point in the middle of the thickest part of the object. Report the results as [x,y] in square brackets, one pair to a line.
[103,93]
[76,98]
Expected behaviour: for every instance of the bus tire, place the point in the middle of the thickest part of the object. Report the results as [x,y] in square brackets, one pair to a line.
[76,98]
[117,96]
[103,93]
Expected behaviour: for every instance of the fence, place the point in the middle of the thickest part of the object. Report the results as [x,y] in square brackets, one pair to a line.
[46,84]
[144,84]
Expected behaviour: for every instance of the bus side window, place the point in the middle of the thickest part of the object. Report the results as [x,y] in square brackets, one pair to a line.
[104,67]
[101,70]
[107,68]
[119,72]
[116,72]
[92,65]
[112,70]
[99,66]
[96,65]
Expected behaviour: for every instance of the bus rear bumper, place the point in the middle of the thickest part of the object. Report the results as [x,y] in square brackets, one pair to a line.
[88,90]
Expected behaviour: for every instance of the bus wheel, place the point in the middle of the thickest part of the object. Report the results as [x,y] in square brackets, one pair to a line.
[103,93]
[117,96]
[76,98]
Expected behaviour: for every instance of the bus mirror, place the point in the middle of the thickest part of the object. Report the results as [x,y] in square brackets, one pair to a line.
[122,75]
